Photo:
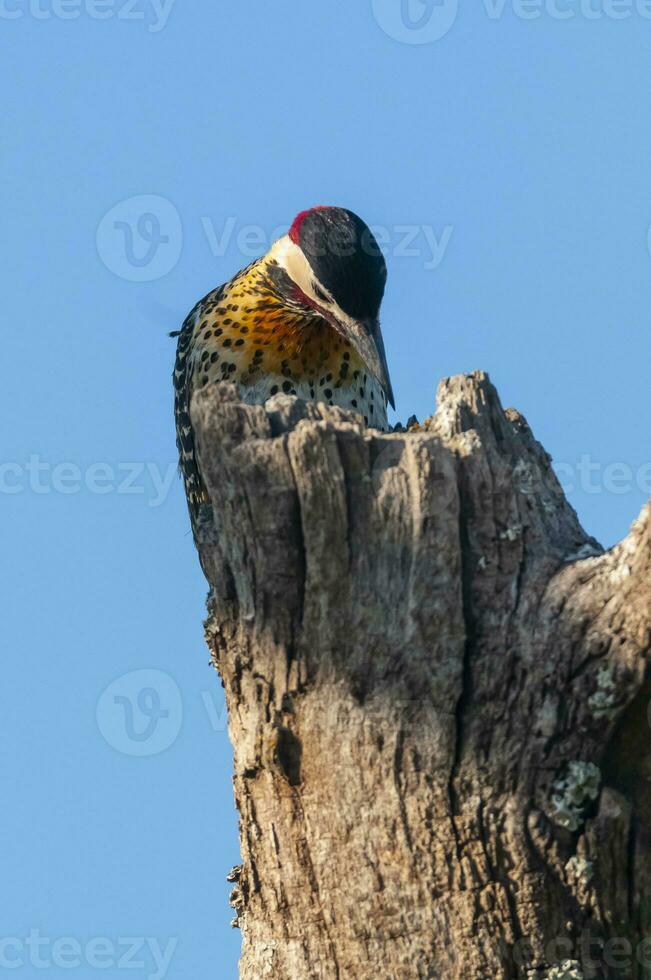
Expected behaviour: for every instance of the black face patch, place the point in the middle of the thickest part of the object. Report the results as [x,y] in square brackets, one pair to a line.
[284,288]
[282,283]
[345,258]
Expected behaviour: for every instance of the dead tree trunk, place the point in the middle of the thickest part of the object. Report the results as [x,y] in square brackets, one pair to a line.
[437,687]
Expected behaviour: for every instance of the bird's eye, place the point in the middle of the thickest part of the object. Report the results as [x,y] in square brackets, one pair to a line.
[320,294]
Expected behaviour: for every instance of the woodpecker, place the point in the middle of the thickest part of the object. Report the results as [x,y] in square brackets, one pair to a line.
[303,319]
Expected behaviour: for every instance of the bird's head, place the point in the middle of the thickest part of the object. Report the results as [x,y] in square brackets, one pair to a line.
[331,264]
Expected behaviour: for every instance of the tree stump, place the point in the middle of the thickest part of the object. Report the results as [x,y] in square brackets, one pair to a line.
[437,686]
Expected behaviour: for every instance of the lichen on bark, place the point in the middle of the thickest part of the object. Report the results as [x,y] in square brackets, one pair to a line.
[414,634]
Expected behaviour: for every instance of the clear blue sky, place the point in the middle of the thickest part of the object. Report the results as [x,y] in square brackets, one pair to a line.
[516,155]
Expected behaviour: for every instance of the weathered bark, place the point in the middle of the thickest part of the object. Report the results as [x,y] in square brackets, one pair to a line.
[425,658]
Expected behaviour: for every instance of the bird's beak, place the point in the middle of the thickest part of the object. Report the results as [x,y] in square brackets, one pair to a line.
[366,337]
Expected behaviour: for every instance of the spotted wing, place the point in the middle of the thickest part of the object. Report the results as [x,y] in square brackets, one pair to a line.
[195,490]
